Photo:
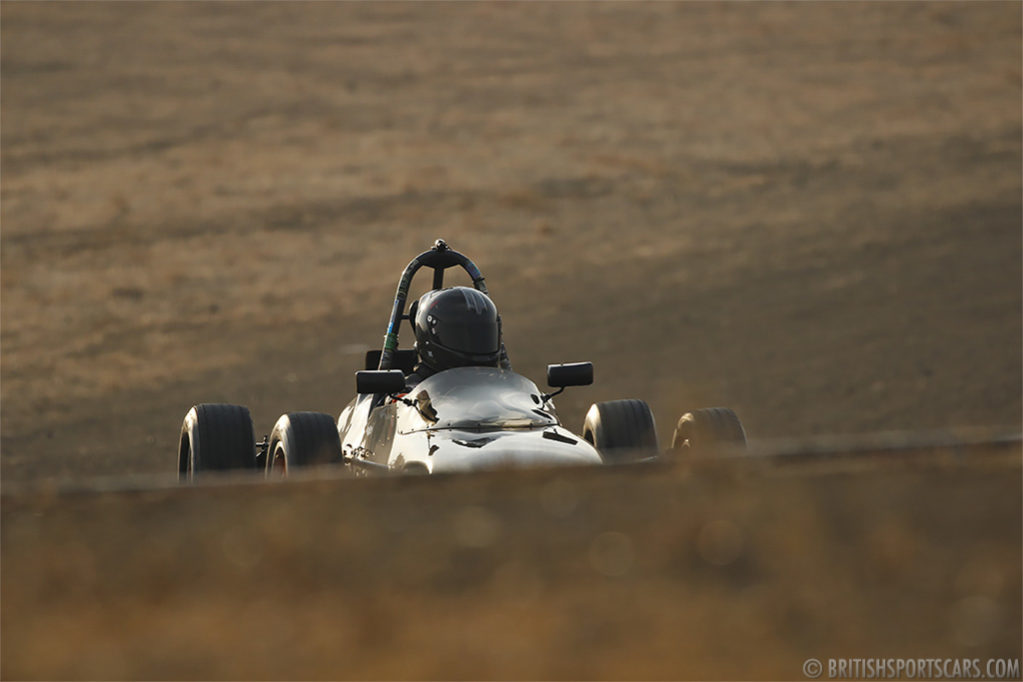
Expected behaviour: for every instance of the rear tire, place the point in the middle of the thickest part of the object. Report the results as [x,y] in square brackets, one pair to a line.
[708,431]
[621,430]
[301,439]
[216,437]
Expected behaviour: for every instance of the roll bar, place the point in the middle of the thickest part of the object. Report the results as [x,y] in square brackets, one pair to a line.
[440,258]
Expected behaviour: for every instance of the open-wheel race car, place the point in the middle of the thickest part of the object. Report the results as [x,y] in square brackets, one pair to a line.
[451,403]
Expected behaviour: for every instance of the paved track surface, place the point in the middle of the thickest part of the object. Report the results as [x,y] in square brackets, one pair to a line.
[810,213]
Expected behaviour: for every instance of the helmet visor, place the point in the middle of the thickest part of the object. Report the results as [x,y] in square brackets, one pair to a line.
[477,336]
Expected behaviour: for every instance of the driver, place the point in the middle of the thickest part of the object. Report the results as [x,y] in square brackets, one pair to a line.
[456,327]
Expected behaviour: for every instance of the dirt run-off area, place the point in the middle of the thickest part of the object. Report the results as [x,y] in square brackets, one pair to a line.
[808,212]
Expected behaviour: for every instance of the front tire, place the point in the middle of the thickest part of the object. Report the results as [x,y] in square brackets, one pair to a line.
[708,431]
[301,439]
[216,437]
[621,430]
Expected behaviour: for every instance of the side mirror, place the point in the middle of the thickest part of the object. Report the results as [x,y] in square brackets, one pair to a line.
[572,374]
[380,381]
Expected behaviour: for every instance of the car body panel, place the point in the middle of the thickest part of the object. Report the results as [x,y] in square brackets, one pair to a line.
[462,419]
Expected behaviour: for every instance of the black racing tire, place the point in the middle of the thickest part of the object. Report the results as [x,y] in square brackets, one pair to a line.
[709,431]
[216,437]
[621,430]
[302,439]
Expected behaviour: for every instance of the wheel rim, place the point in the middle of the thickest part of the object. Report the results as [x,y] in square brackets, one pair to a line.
[185,472]
[682,439]
[681,442]
[279,461]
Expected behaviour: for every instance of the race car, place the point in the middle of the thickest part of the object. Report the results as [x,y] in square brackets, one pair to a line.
[450,404]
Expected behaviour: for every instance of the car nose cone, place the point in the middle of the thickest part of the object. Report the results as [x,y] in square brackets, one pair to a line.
[468,451]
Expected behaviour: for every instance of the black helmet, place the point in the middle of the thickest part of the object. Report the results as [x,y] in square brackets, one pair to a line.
[457,327]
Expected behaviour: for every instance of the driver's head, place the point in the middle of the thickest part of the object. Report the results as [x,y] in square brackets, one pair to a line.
[457,327]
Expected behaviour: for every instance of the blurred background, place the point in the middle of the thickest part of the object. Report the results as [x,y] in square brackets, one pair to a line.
[808,212]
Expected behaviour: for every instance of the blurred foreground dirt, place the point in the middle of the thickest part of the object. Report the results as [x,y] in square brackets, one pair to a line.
[727,570]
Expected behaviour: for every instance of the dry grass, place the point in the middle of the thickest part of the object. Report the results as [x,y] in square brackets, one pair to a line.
[728,571]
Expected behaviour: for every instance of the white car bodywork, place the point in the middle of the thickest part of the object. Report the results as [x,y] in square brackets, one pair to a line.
[462,419]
